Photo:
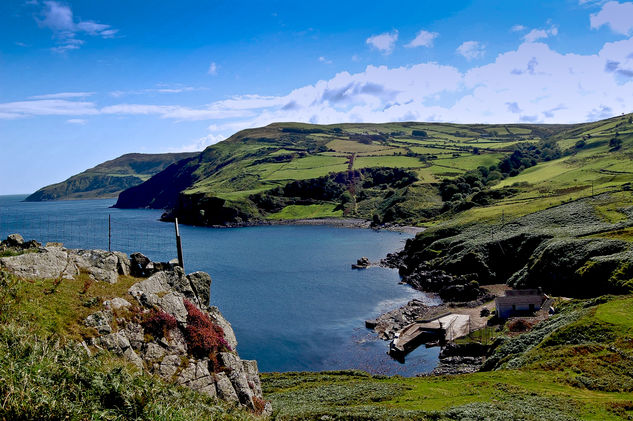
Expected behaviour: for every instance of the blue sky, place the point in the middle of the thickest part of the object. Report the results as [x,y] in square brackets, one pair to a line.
[85,81]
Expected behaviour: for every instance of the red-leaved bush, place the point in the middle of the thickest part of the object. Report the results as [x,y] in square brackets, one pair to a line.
[204,338]
[158,323]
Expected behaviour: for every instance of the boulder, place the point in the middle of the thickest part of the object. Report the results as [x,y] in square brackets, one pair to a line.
[14,240]
[116,303]
[101,265]
[133,357]
[361,263]
[173,304]
[252,375]
[146,291]
[138,264]
[154,352]
[237,376]
[31,244]
[134,333]
[225,388]
[123,263]
[48,263]
[201,284]
[197,377]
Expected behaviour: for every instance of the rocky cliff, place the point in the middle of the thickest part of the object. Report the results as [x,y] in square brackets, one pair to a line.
[163,325]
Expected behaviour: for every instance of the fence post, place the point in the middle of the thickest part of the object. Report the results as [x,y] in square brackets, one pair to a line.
[179,245]
[109,232]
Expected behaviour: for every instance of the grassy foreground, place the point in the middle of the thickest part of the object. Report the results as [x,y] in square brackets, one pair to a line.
[577,365]
[45,374]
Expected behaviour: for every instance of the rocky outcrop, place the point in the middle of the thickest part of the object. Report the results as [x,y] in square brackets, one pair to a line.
[157,334]
[362,263]
[165,326]
[42,263]
[557,249]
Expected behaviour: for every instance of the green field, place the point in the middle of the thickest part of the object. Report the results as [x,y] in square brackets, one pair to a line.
[254,161]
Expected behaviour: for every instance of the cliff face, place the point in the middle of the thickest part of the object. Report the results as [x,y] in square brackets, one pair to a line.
[162,190]
[163,324]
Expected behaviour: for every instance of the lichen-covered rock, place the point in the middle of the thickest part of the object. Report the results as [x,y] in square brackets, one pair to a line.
[14,240]
[225,388]
[133,357]
[123,263]
[166,352]
[101,265]
[47,263]
[101,321]
[252,375]
[154,352]
[169,366]
[197,377]
[201,284]
[218,319]
[173,304]
[116,303]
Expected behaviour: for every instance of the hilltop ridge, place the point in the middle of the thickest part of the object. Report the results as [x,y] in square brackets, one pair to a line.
[109,178]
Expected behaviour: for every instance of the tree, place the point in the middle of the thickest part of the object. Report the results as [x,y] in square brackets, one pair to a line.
[418,133]
[615,143]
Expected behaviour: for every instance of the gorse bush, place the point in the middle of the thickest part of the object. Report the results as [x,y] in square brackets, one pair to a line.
[204,338]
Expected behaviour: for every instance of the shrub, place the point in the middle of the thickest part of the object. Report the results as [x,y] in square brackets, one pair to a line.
[158,323]
[520,325]
[204,338]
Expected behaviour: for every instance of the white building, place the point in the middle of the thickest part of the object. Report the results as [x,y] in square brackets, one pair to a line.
[519,301]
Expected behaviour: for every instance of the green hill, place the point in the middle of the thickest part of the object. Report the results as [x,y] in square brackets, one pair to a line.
[110,178]
[395,172]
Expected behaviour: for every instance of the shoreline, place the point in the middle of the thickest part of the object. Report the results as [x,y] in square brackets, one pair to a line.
[334,222]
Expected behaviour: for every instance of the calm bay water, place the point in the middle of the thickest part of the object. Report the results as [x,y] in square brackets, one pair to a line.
[288,291]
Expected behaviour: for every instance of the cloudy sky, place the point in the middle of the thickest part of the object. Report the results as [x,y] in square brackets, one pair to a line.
[85,81]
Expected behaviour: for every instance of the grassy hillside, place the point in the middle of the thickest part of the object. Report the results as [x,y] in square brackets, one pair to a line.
[577,365]
[109,178]
[516,169]
[224,178]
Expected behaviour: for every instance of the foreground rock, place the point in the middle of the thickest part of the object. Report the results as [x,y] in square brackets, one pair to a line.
[171,332]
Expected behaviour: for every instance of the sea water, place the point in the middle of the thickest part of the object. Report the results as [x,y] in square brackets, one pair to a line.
[288,291]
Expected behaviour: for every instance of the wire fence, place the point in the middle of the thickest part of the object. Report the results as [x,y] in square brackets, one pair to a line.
[155,240]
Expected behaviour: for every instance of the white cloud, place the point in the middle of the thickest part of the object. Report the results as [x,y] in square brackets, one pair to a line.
[518,28]
[199,144]
[472,50]
[617,16]
[63,95]
[532,83]
[59,19]
[537,34]
[213,69]
[160,90]
[76,121]
[384,42]
[423,39]
[64,107]
[324,60]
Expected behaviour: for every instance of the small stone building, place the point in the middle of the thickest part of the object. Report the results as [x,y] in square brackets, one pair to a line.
[519,301]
